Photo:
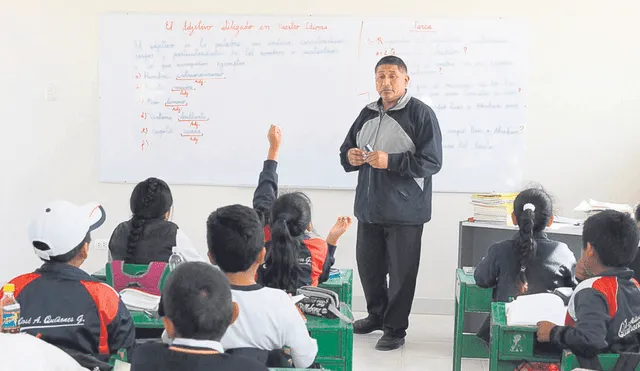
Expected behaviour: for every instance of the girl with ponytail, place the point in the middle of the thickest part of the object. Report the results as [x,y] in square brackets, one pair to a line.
[295,256]
[529,263]
[149,236]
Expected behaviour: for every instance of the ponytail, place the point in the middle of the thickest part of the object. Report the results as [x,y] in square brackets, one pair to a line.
[526,246]
[281,264]
[150,199]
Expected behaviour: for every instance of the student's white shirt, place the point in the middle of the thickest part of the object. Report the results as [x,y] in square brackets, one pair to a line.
[186,248]
[26,352]
[269,320]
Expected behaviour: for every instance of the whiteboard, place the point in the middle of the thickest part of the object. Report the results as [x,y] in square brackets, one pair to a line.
[189,98]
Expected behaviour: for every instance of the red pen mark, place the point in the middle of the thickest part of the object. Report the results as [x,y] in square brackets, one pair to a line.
[191,28]
[185,93]
[237,28]
[465,50]
[367,94]
[293,26]
[144,145]
[200,79]
[144,131]
[137,87]
[195,125]
[315,27]
[143,116]
[177,109]
[201,82]
[168,25]
[391,51]
[138,75]
[418,27]
[265,27]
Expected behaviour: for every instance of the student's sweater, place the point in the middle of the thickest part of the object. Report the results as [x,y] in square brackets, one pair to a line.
[26,352]
[154,245]
[269,320]
[603,316]
[190,355]
[553,267]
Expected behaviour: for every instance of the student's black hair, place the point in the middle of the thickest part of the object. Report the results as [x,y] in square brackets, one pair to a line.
[65,258]
[394,61]
[197,298]
[235,237]
[637,214]
[290,217]
[150,199]
[530,221]
[614,235]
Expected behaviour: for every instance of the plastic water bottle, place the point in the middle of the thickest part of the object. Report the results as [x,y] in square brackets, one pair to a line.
[10,309]
[175,259]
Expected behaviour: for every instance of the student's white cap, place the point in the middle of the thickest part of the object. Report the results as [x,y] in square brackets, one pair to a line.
[62,226]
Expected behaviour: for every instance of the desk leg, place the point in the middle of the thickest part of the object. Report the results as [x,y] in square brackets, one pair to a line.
[494,345]
[459,327]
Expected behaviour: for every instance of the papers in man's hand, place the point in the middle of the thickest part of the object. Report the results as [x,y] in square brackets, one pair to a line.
[121,366]
[140,301]
[528,310]
[592,206]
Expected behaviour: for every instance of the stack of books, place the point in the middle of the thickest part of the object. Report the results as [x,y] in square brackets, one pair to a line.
[493,208]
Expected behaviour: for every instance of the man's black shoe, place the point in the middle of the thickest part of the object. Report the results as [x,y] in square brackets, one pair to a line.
[367,325]
[389,342]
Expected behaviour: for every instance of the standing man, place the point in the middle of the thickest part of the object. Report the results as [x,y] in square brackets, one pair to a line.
[396,146]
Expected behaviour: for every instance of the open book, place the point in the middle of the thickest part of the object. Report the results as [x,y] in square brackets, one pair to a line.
[140,301]
[528,310]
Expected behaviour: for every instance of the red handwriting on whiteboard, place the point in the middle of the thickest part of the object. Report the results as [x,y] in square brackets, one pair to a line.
[201,82]
[185,93]
[236,27]
[168,25]
[265,27]
[314,27]
[143,116]
[391,51]
[144,131]
[420,27]
[194,124]
[377,40]
[191,28]
[177,109]
[293,26]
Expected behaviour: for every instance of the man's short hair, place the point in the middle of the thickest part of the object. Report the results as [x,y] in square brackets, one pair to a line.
[393,61]
[197,298]
[235,237]
[638,213]
[614,235]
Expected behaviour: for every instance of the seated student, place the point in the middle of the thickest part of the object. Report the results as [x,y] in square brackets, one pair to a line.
[14,347]
[149,236]
[603,311]
[529,263]
[268,319]
[60,302]
[296,256]
[635,264]
[196,309]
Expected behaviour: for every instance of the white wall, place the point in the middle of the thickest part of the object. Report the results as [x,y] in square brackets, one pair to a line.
[583,118]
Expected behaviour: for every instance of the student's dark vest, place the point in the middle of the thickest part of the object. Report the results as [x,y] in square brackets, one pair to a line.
[154,245]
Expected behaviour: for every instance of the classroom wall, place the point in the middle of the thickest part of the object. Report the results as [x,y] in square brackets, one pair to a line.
[583,119]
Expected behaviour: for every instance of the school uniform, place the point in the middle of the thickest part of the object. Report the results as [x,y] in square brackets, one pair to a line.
[269,320]
[553,267]
[190,355]
[154,245]
[314,256]
[603,316]
[16,348]
[72,310]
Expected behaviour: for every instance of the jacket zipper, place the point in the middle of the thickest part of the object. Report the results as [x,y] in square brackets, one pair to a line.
[375,140]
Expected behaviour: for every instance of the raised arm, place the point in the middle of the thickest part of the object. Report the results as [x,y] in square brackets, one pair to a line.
[338,229]
[427,160]
[267,190]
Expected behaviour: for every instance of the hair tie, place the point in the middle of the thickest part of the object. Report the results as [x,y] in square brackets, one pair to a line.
[531,207]
[522,269]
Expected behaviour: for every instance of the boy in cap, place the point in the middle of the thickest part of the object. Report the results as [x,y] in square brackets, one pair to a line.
[61,303]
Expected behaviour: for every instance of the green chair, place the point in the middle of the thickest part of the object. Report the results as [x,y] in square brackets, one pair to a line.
[147,277]
[570,361]
[469,299]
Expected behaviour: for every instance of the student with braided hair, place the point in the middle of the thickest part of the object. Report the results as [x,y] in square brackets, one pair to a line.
[149,236]
[529,263]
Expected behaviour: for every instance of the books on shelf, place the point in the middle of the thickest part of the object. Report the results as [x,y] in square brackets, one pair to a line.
[493,208]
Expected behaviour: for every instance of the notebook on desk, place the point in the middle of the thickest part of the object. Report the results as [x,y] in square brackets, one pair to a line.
[528,310]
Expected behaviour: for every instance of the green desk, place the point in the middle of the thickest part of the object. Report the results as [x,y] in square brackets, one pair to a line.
[335,342]
[510,345]
[469,299]
[342,285]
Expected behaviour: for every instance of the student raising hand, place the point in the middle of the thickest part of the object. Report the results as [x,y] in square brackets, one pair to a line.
[275,140]
[342,224]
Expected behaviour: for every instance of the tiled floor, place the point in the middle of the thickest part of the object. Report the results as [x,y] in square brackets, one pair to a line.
[429,347]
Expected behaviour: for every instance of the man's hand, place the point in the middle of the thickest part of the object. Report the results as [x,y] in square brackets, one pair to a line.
[356,156]
[338,229]
[544,331]
[275,140]
[378,159]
